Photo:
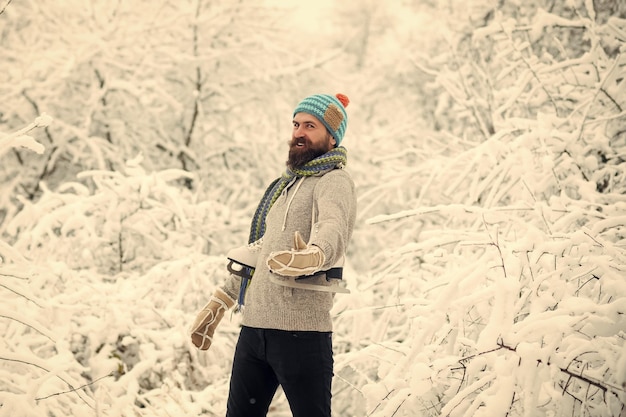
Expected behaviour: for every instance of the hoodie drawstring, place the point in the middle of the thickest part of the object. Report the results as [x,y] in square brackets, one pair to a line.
[290,200]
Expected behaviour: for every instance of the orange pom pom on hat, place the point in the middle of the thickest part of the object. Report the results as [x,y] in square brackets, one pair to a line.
[330,110]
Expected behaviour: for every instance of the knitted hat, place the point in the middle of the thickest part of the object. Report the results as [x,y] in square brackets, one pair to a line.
[330,110]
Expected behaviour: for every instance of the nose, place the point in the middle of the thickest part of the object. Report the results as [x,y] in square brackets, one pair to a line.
[298,132]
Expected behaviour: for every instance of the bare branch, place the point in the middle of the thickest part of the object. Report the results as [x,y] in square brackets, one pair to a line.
[20,294]
[77,388]
[5,6]
[28,325]
[47,370]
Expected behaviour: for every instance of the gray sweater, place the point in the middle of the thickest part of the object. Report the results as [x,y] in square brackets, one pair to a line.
[329,198]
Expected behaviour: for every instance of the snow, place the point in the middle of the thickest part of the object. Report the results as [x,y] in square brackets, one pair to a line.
[488,260]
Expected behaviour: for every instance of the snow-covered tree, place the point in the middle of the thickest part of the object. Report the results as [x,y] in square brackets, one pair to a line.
[487,142]
[501,291]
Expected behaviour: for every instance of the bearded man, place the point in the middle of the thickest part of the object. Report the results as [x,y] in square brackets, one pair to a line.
[299,234]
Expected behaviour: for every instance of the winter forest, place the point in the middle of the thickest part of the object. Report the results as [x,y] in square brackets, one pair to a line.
[487,140]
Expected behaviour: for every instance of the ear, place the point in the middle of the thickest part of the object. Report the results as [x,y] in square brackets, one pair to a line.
[333,141]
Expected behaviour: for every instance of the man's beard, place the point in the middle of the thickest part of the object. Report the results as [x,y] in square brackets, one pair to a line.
[299,156]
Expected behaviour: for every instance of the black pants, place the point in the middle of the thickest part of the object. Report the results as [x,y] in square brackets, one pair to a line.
[301,362]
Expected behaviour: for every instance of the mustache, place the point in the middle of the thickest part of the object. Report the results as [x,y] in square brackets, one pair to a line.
[301,140]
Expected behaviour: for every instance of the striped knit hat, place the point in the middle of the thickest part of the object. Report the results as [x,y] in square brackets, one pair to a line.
[330,110]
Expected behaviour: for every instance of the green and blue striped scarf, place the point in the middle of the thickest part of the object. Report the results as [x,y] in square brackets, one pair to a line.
[330,160]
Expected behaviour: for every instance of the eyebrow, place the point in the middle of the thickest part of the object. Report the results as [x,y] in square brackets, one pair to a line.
[306,120]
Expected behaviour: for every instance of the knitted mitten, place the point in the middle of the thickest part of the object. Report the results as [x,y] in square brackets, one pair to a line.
[302,260]
[209,317]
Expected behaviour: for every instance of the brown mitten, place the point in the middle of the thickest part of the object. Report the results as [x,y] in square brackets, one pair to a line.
[301,260]
[209,317]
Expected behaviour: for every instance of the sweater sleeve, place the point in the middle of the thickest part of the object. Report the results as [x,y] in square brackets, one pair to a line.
[335,209]
[231,285]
